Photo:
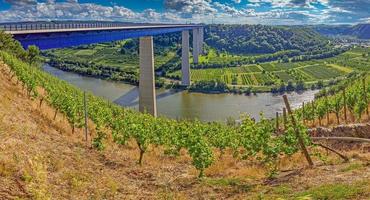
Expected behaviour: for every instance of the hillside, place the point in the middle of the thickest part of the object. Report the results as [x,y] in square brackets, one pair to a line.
[331,30]
[360,31]
[276,76]
[41,159]
[256,39]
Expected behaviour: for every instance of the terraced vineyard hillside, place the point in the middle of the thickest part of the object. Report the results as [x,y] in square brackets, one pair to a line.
[274,73]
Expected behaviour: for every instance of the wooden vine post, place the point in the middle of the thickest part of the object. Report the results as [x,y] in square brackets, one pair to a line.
[365,97]
[327,109]
[284,118]
[345,105]
[85,112]
[55,114]
[296,130]
[303,114]
[313,112]
[277,121]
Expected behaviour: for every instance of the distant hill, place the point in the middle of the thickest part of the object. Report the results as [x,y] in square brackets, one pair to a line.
[360,31]
[331,30]
[256,39]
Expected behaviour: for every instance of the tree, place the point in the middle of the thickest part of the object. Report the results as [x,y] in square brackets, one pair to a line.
[290,86]
[8,44]
[320,84]
[33,54]
[285,59]
[300,86]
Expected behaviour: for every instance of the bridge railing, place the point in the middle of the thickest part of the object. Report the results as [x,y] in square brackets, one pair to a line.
[47,26]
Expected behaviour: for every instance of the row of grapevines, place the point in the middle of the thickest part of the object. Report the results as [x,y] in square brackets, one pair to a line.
[353,98]
[200,139]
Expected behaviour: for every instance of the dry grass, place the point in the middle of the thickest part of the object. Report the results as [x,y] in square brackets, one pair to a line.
[41,159]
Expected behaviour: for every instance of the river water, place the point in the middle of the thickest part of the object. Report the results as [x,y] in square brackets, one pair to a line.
[206,107]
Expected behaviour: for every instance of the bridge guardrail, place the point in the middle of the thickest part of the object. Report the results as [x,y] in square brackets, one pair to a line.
[47,26]
[50,26]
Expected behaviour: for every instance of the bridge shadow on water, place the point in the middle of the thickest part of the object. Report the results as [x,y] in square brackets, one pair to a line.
[131,98]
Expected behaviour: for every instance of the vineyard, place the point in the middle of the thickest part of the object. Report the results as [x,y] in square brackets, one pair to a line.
[196,137]
[255,138]
[348,103]
[109,55]
[321,72]
[203,142]
[274,73]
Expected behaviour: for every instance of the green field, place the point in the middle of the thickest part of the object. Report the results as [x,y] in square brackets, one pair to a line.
[274,73]
[322,72]
[284,76]
[306,73]
[108,54]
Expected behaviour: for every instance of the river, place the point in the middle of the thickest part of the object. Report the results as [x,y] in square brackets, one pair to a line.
[206,107]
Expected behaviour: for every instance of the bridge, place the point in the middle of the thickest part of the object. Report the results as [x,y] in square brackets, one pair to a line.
[51,35]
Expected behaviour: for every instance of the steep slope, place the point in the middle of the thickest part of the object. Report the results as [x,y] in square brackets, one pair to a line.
[41,159]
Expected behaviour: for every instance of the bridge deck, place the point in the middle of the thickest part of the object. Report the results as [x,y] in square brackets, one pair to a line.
[64,30]
[47,36]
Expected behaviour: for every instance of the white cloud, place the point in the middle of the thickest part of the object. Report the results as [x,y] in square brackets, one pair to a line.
[365,20]
[230,10]
[190,7]
[70,9]
[21,2]
[205,11]
[288,3]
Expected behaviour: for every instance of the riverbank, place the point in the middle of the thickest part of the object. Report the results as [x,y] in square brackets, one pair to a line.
[206,87]
[182,104]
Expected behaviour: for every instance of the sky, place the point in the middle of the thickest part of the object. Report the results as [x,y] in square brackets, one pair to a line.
[270,12]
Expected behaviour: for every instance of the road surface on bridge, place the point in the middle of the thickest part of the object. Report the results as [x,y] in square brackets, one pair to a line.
[114,28]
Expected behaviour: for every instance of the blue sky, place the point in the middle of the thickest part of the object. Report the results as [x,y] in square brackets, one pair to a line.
[196,11]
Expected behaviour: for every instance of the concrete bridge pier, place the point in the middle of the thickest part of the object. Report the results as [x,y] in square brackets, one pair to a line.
[185,65]
[196,45]
[201,39]
[147,97]
[198,39]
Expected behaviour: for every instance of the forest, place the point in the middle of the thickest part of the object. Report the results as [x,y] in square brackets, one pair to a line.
[257,39]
